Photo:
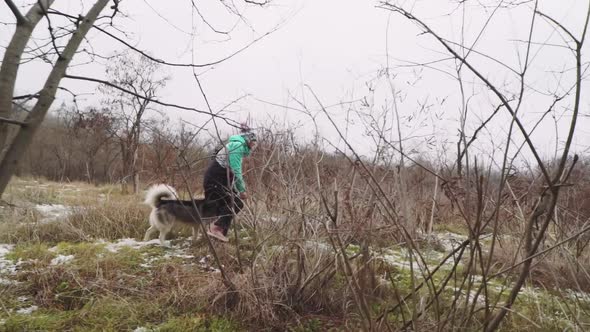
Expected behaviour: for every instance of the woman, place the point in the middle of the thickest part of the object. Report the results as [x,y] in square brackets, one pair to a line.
[224,182]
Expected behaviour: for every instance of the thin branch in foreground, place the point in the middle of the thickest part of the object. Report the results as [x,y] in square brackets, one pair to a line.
[492,87]
[96,80]
[173,64]
[14,122]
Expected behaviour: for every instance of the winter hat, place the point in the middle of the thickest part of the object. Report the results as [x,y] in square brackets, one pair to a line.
[247,133]
[249,136]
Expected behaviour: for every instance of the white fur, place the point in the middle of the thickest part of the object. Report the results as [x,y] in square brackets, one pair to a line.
[158,191]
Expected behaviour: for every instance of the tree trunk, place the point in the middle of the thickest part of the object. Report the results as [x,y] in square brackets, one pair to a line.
[46,97]
[134,171]
[10,64]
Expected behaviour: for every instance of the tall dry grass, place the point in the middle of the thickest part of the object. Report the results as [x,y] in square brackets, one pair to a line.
[296,263]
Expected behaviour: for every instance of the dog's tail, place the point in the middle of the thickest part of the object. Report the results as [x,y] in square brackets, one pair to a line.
[157,192]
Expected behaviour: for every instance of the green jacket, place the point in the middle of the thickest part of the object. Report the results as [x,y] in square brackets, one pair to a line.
[237,148]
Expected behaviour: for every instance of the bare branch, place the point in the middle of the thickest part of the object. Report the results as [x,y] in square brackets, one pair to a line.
[50,28]
[15,122]
[559,25]
[29,96]
[155,101]
[174,64]
[20,19]
[491,86]
[195,8]
[263,3]
[573,237]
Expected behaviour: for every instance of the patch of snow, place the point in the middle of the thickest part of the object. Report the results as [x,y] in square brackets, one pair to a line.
[178,250]
[53,212]
[5,249]
[7,282]
[142,329]
[27,311]
[204,264]
[23,298]
[318,245]
[398,259]
[179,255]
[61,259]
[448,240]
[578,296]
[128,242]
[7,267]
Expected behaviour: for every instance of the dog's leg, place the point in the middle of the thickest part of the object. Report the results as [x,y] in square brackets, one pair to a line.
[163,233]
[148,233]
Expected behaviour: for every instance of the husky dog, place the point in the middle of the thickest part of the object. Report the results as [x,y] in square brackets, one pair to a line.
[171,211]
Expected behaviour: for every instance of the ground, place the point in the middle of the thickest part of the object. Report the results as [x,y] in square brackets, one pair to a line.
[71,258]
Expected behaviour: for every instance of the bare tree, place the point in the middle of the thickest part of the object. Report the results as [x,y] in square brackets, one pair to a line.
[140,75]
[59,50]
[12,57]
[93,132]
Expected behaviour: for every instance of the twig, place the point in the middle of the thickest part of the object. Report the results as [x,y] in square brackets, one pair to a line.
[155,101]
[476,72]
[174,64]
[14,122]
[20,19]
[584,230]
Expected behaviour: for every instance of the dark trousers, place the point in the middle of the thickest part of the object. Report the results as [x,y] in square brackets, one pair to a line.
[219,190]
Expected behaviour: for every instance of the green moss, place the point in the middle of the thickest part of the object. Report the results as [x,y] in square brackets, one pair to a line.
[31,252]
[353,249]
[310,325]
[151,251]
[117,314]
[198,323]
[41,320]
[452,228]
[83,250]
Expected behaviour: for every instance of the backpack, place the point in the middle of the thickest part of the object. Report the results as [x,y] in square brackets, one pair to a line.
[216,150]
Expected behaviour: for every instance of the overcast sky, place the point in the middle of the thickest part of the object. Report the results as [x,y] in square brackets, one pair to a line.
[339,48]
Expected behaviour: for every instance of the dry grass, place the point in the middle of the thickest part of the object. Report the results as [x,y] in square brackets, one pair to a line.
[290,276]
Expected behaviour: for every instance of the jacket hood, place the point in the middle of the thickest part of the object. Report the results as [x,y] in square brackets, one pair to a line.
[240,139]
[237,138]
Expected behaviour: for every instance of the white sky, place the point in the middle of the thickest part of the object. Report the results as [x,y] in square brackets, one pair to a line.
[338,47]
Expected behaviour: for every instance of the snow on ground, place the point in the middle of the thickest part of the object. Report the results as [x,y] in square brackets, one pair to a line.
[178,250]
[53,212]
[28,310]
[61,259]
[142,329]
[7,267]
[448,241]
[318,246]
[128,242]
[205,264]
[577,295]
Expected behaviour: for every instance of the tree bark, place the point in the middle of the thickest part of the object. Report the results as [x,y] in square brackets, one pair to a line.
[24,137]
[10,64]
